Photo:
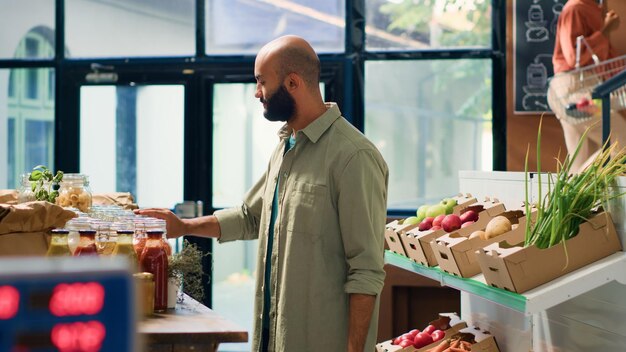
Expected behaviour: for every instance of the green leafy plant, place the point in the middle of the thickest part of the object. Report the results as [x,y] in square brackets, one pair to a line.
[43,183]
[572,197]
[186,266]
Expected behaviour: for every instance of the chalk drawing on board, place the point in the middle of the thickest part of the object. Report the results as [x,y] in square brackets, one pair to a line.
[556,9]
[535,90]
[536,25]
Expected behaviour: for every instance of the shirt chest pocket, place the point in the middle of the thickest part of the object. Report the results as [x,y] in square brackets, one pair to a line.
[306,208]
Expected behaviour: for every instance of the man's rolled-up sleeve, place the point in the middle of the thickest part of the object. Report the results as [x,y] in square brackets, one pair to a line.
[362,207]
[242,222]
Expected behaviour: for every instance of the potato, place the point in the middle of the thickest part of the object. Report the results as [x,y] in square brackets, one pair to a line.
[497,226]
[475,234]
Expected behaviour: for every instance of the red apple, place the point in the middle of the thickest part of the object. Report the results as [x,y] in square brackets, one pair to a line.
[466,224]
[451,223]
[414,332]
[438,220]
[429,329]
[435,228]
[405,343]
[582,103]
[426,224]
[438,335]
[422,339]
[469,215]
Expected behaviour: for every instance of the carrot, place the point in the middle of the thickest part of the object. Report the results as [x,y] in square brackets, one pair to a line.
[466,346]
[440,347]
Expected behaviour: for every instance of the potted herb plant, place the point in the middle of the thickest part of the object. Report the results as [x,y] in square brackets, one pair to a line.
[185,267]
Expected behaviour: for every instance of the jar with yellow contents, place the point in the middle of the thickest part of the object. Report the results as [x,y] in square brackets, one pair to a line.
[74,191]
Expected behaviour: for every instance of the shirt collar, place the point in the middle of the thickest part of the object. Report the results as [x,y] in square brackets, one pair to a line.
[316,128]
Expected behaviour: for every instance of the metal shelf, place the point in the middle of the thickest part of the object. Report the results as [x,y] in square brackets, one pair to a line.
[536,300]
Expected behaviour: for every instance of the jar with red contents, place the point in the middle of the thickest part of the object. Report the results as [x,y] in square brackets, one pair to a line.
[153,224]
[154,260]
[87,243]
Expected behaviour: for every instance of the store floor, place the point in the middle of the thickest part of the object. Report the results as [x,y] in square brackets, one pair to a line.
[233,298]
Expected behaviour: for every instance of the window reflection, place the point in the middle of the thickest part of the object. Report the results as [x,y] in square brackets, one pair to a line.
[427,24]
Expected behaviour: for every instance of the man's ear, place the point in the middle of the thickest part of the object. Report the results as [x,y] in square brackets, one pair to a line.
[293,81]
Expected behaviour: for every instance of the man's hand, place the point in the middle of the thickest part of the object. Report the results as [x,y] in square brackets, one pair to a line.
[361,309]
[611,20]
[175,227]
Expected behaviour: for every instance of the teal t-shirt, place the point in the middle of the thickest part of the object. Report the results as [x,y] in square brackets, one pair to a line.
[270,241]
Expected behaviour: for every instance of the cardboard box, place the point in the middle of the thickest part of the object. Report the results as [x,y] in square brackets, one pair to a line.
[393,231]
[452,320]
[462,202]
[417,243]
[455,253]
[396,229]
[517,268]
[24,244]
[484,341]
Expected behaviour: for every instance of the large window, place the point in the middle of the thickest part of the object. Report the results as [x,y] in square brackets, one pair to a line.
[244,26]
[27,114]
[156,97]
[429,119]
[428,24]
[122,28]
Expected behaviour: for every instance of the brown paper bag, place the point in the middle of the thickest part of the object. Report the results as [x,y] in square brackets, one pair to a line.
[24,244]
[8,196]
[123,199]
[32,217]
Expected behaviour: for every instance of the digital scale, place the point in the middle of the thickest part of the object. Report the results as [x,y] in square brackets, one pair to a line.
[67,304]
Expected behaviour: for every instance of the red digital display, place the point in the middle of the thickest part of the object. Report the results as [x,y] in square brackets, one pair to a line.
[78,336]
[9,302]
[77,299]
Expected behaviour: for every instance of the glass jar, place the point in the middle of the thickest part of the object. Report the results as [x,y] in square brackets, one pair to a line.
[25,192]
[87,245]
[145,292]
[154,260]
[58,243]
[74,226]
[153,224]
[74,191]
[106,237]
[139,239]
[124,246]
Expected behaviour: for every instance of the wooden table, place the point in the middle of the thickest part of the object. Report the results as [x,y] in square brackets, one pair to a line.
[190,327]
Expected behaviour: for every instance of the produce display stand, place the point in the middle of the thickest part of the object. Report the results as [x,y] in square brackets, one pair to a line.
[583,310]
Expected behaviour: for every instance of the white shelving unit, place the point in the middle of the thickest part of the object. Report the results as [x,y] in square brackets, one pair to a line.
[536,300]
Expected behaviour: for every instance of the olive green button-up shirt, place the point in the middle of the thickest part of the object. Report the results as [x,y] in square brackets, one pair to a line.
[328,236]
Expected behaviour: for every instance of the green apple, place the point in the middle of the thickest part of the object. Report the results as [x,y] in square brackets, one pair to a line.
[411,220]
[449,204]
[435,210]
[421,212]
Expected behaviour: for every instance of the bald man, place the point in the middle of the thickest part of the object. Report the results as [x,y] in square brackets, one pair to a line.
[319,213]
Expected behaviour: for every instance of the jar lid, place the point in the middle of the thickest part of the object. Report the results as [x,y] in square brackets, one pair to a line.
[144,276]
[60,231]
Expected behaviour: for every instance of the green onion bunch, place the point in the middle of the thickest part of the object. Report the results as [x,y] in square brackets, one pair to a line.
[571,198]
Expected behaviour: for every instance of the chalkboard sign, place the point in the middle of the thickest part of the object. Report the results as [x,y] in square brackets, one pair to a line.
[534,34]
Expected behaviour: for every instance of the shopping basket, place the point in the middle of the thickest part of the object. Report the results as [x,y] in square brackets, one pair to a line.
[569,93]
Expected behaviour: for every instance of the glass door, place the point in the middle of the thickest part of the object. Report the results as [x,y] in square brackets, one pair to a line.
[132,140]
